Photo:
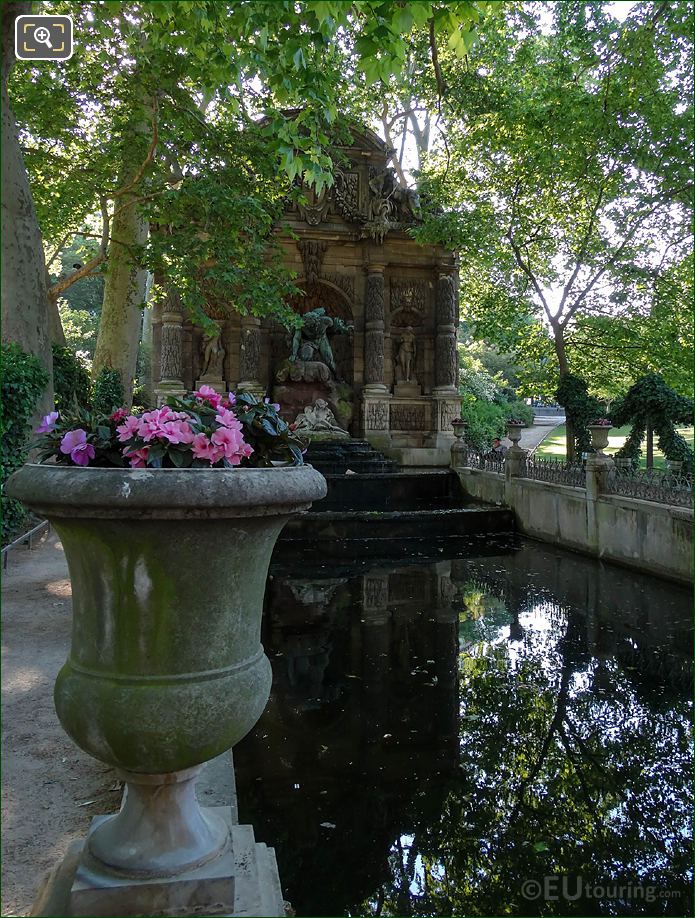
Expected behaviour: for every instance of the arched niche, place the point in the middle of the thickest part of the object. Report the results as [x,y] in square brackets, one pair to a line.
[337,305]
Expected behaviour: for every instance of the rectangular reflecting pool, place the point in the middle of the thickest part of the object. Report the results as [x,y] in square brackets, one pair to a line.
[486,727]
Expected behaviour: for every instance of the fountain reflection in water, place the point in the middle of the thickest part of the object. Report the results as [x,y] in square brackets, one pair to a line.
[440,732]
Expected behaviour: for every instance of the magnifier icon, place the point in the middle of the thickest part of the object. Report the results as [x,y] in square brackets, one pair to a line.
[43,36]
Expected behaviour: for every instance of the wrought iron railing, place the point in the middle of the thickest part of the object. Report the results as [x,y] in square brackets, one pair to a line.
[556,471]
[487,462]
[651,484]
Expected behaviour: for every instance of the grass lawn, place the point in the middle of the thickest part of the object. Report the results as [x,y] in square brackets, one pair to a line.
[554,444]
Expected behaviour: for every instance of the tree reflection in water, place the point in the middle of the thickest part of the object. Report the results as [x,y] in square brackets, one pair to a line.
[441,734]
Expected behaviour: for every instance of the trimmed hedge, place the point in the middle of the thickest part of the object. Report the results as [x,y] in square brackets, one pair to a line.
[23,381]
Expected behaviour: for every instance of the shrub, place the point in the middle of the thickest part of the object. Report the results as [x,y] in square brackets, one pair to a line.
[141,397]
[70,379]
[484,420]
[23,381]
[515,408]
[108,392]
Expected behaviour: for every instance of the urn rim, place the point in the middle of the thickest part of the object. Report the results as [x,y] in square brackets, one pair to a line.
[72,491]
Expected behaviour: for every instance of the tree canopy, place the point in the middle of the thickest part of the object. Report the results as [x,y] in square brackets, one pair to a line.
[568,165]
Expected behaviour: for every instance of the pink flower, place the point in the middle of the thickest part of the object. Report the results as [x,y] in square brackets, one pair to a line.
[128,429]
[138,458]
[266,401]
[208,394]
[152,423]
[230,442]
[75,443]
[47,423]
[227,419]
[177,432]
[118,415]
[231,397]
[203,449]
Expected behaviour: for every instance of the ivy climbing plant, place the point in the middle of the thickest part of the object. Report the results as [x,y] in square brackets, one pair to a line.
[580,409]
[652,407]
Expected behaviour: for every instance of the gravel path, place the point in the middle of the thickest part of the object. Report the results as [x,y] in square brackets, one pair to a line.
[50,788]
[531,437]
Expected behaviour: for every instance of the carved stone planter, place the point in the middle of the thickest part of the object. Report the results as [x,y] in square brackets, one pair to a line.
[514,433]
[166,669]
[459,428]
[599,437]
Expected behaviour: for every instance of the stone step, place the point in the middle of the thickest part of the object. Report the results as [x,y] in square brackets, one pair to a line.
[368,532]
[335,457]
[392,491]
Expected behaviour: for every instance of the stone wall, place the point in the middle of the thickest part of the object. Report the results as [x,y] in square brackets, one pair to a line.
[641,534]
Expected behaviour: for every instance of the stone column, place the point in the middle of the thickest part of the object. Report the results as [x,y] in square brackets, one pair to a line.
[374,332]
[445,352]
[170,360]
[445,392]
[250,356]
[375,393]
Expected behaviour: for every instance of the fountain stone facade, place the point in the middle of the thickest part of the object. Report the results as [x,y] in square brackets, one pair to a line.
[381,350]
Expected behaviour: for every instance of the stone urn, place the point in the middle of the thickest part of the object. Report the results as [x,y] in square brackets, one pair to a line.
[599,437]
[166,669]
[459,428]
[514,429]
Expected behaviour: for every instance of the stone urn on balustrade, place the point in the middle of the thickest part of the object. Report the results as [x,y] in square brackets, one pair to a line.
[459,427]
[459,449]
[514,429]
[599,431]
[166,669]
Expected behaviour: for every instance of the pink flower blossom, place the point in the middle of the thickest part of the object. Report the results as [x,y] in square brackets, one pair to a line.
[152,423]
[231,443]
[266,401]
[176,432]
[203,449]
[208,394]
[119,414]
[138,458]
[75,443]
[47,423]
[231,398]
[227,419]
[128,429]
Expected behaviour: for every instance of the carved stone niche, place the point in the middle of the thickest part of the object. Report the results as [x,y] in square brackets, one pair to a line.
[336,305]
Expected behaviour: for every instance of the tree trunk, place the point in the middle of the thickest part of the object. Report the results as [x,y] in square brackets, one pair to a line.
[650,445]
[54,323]
[563,366]
[25,307]
[124,291]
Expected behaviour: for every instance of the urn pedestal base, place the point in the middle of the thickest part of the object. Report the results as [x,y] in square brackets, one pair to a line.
[242,881]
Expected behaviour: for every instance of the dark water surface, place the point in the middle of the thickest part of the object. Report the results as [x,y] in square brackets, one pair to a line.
[502,731]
